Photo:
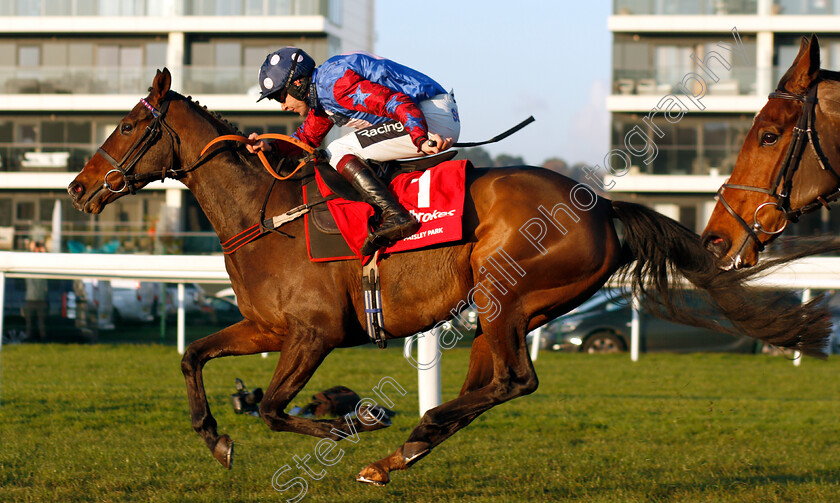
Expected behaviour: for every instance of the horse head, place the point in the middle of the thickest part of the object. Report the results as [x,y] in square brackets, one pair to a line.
[785,168]
[115,170]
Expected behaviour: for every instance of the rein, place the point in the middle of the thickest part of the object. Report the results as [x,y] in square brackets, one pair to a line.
[804,134]
[272,136]
[154,131]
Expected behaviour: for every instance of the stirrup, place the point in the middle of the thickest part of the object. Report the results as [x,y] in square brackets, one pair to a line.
[373,243]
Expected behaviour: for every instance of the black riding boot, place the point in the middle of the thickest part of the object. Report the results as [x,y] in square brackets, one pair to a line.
[396,222]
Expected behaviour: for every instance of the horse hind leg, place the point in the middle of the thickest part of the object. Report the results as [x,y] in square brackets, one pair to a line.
[243,338]
[500,370]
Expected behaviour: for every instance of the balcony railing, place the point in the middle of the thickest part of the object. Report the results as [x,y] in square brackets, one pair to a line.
[685,7]
[34,8]
[257,7]
[665,81]
[122,80]
[44,157]
[215,80]
[83,8]
[75,80]
[806,7]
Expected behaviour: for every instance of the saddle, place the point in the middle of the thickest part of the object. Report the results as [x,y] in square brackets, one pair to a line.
[324,240]
[386,171]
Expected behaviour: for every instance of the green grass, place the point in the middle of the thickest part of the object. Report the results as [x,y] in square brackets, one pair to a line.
[110,423]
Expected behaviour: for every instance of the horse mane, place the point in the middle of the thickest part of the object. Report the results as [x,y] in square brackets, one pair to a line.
[225,127]
[829,75]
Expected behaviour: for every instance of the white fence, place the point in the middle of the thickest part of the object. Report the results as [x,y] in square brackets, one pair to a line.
[819,273]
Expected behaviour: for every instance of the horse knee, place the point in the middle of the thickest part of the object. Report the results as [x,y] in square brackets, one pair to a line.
[190,361]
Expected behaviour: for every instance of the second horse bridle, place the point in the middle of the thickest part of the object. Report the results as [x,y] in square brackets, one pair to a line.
[804,133]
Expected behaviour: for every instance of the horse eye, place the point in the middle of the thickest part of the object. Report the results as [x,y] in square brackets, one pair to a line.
[125,128]
[769,138]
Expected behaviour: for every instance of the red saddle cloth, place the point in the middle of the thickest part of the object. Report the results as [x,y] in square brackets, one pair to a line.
[435,197]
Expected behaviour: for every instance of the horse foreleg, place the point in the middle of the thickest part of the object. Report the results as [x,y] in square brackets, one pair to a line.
[497,373]
[243,338]
[298,362]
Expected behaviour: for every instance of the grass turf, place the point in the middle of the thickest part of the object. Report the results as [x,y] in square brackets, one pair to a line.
[111,423]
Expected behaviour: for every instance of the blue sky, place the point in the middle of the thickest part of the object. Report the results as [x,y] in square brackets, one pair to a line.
[508,60]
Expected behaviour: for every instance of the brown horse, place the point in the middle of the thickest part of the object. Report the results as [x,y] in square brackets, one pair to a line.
[557,238]
[787,166]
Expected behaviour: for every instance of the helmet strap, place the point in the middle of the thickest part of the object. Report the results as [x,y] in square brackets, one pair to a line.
[299,90]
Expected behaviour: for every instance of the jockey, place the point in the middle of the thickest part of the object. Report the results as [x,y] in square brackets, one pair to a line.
[397,112]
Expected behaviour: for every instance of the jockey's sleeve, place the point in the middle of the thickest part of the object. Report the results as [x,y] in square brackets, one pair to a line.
[354,92]
[312,132]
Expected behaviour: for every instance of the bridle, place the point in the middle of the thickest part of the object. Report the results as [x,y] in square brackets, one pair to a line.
[804,134]
[150,136]
[154,131]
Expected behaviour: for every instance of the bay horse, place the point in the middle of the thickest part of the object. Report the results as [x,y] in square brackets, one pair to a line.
[789,163]
[304,310]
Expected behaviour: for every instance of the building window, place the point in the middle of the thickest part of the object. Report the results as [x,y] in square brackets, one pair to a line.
[807,7]
[697,145]
[786,48]
[335,10]
[25,210]
[5,212]
[332,9]
[65,66]
[279,8]
[686,7]
[223,65]
[656,65]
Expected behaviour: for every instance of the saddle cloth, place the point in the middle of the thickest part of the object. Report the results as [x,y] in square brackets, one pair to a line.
[435,197]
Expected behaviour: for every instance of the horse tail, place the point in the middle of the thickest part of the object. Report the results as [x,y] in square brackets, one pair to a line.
[659,252]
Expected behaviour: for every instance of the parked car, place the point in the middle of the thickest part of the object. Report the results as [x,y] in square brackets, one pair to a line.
[193,298]
[134,301]
[602,325]
[227,293]
[221,311]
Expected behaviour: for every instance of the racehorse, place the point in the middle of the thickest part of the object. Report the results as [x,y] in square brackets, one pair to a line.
[789,163]
[304,310]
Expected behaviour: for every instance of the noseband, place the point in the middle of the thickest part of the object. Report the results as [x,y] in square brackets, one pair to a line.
[804,133]
[152,133]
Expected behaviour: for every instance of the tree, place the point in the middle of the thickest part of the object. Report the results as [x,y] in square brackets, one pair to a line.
[478,156]
[503,160]
[556,164]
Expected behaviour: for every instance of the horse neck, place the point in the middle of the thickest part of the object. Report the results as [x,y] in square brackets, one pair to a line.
[231,189]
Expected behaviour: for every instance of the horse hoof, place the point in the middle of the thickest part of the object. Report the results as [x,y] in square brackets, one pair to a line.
[373,475]
[377,416]
[223,452]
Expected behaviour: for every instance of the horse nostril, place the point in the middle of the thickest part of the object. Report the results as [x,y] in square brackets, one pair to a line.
[716,245]
[75,190]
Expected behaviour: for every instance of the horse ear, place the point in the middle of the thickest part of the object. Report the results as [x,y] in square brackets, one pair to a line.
[160,86]
[805,67]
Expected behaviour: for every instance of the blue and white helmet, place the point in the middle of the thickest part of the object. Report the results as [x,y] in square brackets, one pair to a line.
[283,67]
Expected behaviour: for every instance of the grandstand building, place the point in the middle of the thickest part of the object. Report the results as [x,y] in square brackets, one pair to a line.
[71,69]
[687,80]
